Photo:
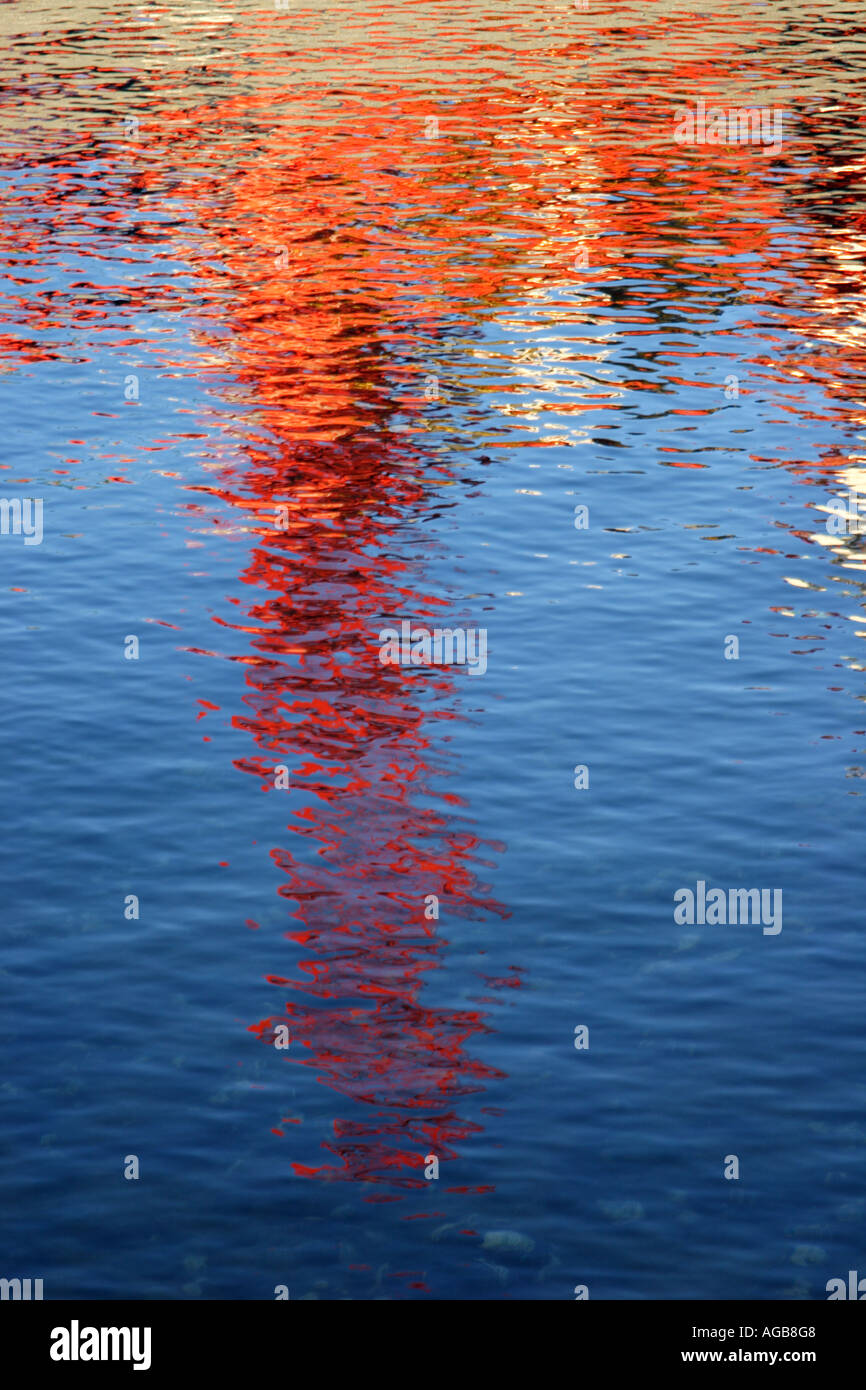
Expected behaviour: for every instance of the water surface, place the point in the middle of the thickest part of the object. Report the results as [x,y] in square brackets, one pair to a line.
[321,318]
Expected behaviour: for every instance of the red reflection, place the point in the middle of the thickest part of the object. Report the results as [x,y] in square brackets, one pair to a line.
[330,497]
[372,852]
[378,839]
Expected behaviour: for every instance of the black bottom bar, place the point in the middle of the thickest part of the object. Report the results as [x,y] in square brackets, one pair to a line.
[249,1339]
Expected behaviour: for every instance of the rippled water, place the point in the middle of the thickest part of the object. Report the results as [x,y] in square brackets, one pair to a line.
[321,318]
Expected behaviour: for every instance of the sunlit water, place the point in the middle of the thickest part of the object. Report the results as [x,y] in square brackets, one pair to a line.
[319,319]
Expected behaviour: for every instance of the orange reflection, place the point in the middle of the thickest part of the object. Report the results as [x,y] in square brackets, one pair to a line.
[379,839]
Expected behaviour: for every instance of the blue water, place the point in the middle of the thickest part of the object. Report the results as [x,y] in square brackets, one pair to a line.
[152,1036]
